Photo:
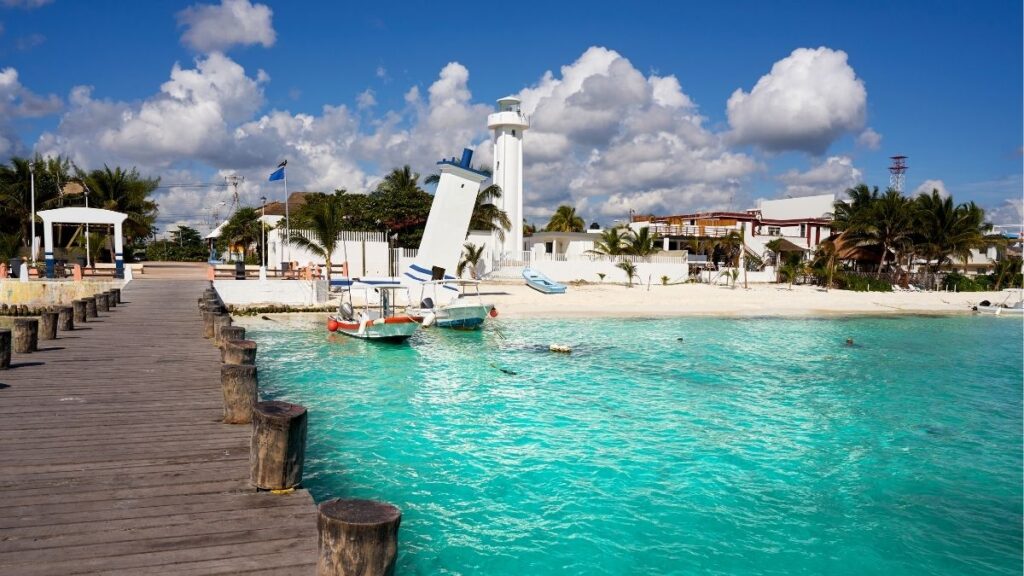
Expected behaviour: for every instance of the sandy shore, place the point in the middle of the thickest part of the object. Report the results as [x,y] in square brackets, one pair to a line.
[515,300]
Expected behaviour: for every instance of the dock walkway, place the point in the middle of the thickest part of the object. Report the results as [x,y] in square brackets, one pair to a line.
[113,459]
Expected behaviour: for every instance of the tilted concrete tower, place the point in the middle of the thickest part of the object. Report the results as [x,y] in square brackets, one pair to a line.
[508,124]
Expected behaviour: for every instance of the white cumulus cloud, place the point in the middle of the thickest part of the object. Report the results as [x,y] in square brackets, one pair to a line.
[833,176]
[869,139]
[212,28]
[26,4]
[17,101]
[807,101]
[1009,213]
[927,186]
[606,138]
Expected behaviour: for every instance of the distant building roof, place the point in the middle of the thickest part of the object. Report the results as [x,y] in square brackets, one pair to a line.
[296,200]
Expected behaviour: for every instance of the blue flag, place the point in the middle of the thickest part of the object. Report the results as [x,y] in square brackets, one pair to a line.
[277,174]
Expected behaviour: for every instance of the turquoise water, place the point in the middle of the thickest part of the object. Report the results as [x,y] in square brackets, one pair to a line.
[752,446]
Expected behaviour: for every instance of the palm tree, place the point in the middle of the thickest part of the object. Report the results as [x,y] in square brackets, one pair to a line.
[400,180]
[127,192]
[565,220]
[528,229]
[487,216]
[889,226]
[610,243]
[775,247]
[242,229]
[641,242]
[853,214]
[946,230]
[827,259]
[325,218]
[630,269]
[470,259]
[16,191]
[731,243]
[1007,269]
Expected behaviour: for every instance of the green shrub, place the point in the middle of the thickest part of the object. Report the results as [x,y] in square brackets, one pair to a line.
[957,282]
[859,283]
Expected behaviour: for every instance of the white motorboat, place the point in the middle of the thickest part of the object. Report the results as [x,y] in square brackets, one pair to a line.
[381,316]
[466,312]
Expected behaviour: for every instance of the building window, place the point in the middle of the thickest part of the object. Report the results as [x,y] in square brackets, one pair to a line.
[774,231]
[549,247]
[803,230]
[513,132]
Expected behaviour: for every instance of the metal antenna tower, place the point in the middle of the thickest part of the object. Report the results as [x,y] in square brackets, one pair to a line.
[234,180]
[897,172]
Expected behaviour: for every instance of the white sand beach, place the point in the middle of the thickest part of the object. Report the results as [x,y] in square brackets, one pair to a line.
[516,300]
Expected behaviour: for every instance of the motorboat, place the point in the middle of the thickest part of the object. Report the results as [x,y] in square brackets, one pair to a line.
[466,311]
[381,315]
[1013,310]
[542,283]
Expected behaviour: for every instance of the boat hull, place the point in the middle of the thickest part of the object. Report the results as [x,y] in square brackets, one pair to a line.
[542,283]
[391,329]
[1001,311]
[462,317]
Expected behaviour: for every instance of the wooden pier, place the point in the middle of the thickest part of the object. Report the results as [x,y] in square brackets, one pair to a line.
[113,458]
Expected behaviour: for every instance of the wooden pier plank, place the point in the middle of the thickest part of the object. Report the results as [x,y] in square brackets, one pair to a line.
[115,462]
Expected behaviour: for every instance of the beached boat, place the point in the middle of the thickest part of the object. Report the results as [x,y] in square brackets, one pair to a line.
[466,312]
[542,283]
[380,316]
[1012,310]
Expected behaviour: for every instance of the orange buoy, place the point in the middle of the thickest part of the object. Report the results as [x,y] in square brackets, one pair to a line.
[332,325]
[493,312]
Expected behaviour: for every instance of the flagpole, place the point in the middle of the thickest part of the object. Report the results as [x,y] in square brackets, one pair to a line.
[287,221]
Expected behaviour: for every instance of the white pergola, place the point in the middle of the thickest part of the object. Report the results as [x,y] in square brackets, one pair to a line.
[78,215]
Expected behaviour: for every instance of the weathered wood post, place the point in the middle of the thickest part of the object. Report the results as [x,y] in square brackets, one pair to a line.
[208,318]
[65,318]
[219,322]
[357,537]
[111,300]
[239,352]
[5,348]
[231,333]
[79,307]
[278,445]
[90,307]
[26,335]
[102,304]
[48,326]
[239,383]
[117,294]
[214,305]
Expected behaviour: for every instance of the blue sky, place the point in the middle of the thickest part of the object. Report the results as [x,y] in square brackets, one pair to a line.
[640,111]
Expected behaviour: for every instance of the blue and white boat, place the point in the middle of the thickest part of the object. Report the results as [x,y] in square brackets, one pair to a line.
[542,283]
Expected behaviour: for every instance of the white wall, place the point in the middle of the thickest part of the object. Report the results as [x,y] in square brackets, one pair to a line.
[352,249]
[290,292]
[805,207]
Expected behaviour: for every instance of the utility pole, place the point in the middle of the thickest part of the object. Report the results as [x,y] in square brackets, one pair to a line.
[32,219]
[234,180]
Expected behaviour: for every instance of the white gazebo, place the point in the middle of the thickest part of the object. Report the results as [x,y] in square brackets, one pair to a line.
[80,215]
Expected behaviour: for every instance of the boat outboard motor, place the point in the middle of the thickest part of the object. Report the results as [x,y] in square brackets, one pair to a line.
[984,303]
[427,303]
[346,311]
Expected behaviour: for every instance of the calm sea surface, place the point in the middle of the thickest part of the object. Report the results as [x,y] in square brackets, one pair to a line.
[750,446]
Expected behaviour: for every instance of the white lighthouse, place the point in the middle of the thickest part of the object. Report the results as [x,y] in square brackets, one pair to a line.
[508,124]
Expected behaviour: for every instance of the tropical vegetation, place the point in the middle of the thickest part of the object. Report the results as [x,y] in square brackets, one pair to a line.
[323,219]
[471,256]
[565,219]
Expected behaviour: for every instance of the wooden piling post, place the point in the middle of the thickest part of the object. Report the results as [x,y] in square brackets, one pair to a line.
[357,537]
[5,348]
[239,352]
[111,301]
[117,295]
[26,335]
[102,304]
[90,307]
[65,318]
[278,445]
[208,318]
[239,383]
[48,326]
[80,312]
[219,322]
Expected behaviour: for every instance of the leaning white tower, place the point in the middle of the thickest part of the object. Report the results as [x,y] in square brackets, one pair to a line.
[508,124]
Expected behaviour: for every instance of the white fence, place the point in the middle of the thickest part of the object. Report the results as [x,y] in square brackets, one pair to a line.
[590,267]
[366,252]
